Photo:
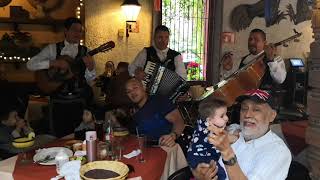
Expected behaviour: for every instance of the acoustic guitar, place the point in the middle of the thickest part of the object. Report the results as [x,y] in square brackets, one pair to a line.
[49,80]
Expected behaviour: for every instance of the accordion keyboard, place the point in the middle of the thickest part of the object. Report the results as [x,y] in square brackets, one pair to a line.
[162,81]
[149,70]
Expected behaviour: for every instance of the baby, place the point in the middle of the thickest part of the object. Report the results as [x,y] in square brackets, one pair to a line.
[212,112]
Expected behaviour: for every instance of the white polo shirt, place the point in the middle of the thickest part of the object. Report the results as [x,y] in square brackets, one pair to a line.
[264,158]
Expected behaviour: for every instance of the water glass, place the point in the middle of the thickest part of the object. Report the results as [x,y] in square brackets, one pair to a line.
[142,145]
[117,153]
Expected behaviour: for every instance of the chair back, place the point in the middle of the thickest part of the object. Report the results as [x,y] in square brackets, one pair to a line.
[182,174]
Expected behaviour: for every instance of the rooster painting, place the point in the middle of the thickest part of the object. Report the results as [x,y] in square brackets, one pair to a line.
[303,12]
[242,15]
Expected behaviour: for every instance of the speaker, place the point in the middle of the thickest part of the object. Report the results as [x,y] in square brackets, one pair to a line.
[298,86]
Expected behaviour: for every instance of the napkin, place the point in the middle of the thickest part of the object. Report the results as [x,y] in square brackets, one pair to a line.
[132,154]
[71,170]
[135,178]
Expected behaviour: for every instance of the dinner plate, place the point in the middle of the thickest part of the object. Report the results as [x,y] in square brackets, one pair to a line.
[50,153]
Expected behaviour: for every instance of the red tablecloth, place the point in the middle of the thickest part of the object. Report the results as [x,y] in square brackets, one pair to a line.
[151,169]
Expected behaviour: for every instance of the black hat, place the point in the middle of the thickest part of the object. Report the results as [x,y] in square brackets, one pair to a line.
[259,96]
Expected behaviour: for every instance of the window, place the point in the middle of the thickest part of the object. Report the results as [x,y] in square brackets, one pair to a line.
[188,23]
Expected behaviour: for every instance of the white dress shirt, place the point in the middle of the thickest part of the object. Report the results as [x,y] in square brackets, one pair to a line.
[41,60]
[264,158]
[141,59]
[277,68]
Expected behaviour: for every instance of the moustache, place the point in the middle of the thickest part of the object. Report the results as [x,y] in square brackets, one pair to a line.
[252,49]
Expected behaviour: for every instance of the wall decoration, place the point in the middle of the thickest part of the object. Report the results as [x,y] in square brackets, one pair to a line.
[3,3]
[228,37]
[303,10]
[242,15]
[45,7]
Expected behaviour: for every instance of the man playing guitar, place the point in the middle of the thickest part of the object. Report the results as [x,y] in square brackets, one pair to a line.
[67,56]
[48,57]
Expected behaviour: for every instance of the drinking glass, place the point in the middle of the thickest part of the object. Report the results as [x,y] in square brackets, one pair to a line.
[102,151]
[142,145]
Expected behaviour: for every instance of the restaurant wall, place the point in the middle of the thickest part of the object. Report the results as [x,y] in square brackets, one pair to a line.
[275,33]
[104,19]
[41,34]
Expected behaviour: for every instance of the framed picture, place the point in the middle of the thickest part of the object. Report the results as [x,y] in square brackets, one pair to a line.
[228,37]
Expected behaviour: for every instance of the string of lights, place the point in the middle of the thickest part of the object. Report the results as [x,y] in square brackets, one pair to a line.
[13,59]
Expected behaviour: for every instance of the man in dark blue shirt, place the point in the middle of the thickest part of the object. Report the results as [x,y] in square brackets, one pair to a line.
[157,117]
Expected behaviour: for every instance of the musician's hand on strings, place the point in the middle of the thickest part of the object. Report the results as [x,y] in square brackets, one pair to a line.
[139,73]
[89,62]
[270,51]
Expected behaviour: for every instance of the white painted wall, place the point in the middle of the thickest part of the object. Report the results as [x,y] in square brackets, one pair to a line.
[103,20]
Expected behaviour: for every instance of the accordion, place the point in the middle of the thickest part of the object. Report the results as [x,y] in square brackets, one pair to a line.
[162,81]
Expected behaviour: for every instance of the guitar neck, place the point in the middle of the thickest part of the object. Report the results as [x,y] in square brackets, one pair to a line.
[93,52]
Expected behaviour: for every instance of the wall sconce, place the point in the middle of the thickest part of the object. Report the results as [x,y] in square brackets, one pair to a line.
[131,9]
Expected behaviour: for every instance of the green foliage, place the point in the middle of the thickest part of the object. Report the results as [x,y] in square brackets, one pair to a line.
[186,20]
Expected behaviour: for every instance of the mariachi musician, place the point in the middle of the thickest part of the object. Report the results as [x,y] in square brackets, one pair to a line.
[275,68]
[65,117]
[47,58]
[160,54]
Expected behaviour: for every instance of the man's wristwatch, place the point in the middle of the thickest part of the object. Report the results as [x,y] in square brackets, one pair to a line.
[231,161]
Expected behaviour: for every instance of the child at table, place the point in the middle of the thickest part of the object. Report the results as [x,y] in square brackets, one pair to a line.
[214,112]
[11,126]
[87,124]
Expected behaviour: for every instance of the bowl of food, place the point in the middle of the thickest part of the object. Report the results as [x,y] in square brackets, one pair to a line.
[24,142]
[119,131]
[104,170]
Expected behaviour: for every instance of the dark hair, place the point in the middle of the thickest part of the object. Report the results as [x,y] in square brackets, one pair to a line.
[123,65]
[71,20]
[161,28]
[109,62]
[263,34]
[209,105]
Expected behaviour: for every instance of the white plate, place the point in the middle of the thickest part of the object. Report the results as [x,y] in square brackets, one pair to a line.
[52,152]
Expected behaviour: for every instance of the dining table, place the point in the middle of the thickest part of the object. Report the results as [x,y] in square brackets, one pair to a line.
[160,162]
